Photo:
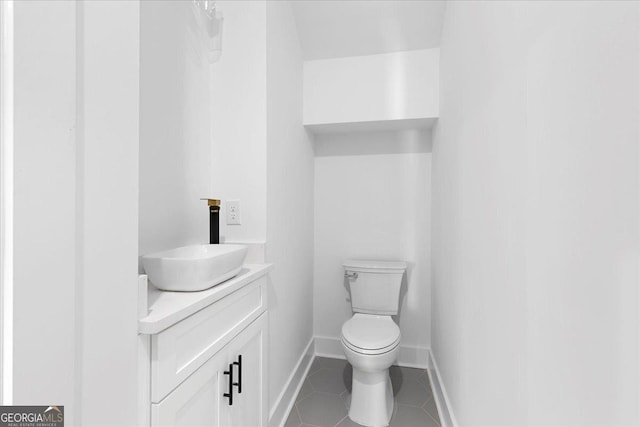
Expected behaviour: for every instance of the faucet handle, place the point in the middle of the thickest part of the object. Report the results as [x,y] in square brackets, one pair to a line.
[212,202]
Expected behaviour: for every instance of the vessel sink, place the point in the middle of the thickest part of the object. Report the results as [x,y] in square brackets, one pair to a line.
[194,268]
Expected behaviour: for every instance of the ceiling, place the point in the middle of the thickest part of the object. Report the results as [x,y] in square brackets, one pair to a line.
[332,29]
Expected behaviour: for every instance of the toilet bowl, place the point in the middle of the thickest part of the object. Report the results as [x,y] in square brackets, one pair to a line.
[371,344]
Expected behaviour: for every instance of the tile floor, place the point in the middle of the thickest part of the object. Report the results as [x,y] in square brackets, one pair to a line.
[325,395]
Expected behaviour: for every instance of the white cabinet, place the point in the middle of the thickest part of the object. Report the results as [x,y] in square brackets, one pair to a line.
[209,368]
[391,91]
[197,402]
[248,352]
[177,352]
[228,390]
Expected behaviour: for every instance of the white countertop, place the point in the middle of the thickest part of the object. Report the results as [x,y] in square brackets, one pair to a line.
[168,308]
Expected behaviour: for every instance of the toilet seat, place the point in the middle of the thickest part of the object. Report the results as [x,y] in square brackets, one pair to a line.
[368,352]
[370,334]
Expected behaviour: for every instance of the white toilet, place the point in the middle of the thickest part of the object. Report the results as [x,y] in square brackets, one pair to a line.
[371,339]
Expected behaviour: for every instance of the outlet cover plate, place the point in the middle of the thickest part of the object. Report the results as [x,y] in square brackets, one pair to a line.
[233,212]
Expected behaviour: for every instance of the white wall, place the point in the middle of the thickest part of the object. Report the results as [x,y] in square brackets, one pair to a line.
[76,168]
[372,201]
[44,204]
[390,86]
[535,225]
[202,123]
[290,167]
[108,209]
[238,118]
[6,202]
[175,126]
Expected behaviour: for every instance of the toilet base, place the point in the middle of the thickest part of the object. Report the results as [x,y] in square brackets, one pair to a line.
[369,389]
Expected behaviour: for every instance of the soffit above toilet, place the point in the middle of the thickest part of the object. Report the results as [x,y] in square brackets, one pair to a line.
[334,29]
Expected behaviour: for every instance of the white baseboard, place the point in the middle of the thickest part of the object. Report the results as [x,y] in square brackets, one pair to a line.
[284,404]
[329,347]
[445,410]
[411,357]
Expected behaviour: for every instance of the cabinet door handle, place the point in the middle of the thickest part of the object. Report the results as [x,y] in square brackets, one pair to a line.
[239,365]
[230,394]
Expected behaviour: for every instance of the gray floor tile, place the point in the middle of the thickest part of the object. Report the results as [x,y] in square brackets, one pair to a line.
[396,384]
[346,422]
[432,409]
[327,362]
[347,377]
[305,390]
[412,392]
[294,419]
[322,409]
[396,371]
[411,416]
[340,364]
[424,378]
[347,400]
[317,364]
[325,396]
[328,380]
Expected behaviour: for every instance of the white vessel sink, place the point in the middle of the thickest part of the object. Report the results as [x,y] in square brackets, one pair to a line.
[195,267]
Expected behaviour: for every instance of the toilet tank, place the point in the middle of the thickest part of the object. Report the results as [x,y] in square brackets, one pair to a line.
[374,285]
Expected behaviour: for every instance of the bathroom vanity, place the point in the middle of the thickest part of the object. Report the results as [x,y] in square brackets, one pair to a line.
[202,355]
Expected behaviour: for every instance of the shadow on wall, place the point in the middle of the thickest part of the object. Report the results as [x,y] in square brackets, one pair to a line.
[404,288]
[368,143]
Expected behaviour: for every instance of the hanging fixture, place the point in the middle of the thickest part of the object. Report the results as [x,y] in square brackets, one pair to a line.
[207,6]
[213,21]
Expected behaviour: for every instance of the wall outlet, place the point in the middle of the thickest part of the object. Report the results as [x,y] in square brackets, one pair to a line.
[233,212]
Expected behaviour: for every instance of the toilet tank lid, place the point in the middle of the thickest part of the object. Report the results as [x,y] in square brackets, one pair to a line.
[360,265]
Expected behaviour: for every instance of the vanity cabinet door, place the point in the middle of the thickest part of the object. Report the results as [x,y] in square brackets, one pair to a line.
[247,355]
[198,401]
[203,399]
